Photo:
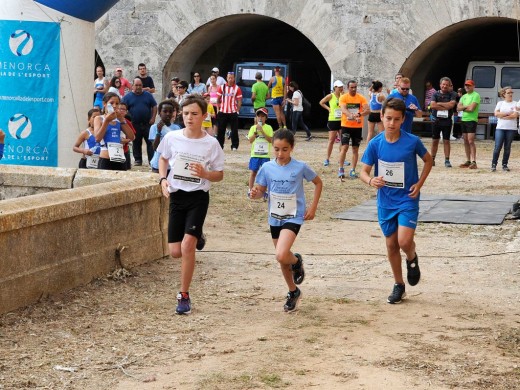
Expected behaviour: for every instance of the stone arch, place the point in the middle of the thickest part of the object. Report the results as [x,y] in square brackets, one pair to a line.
[448,51]
[225,40]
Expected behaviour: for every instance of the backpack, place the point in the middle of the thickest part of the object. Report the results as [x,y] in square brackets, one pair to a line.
[306,105]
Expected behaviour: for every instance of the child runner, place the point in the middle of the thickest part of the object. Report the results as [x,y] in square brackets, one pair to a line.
[197,160]
[283,177]
[86,144]
[207,124]
[260,137]
[168,110]
[393,152]
[108,129]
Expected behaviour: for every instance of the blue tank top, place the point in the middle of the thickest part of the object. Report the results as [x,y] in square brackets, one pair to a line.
[97,84]
[113,134]
[90,143]
[374,104]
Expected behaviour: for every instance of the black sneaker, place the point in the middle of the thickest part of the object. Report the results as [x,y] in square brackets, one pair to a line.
[292,300]
[414,273]
[138,163]
[201,242]
[398,294]
[298,273]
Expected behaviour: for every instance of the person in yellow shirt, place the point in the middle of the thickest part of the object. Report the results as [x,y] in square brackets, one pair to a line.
[278,95]
[207,123]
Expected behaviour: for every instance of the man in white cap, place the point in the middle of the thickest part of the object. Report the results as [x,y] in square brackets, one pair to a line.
[125,84]
[220,80]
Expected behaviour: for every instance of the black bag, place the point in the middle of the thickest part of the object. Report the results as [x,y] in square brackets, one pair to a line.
[306,106]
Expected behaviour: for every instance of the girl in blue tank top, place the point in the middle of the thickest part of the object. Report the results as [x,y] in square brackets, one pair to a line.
[108,130]
[100,88]
[377,97]
[86,143]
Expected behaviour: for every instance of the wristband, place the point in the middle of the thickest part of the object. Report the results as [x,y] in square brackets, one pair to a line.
[370,182]
[161,180]
[123,123]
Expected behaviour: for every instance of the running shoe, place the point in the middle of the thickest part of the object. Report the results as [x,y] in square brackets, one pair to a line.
[493,167]
[398,293]
[228,134]
[292,300]
[298,273]
[352,174]
[326,163]
[505,168]
[201,242]
[341,173]
[414,273]
[266,196]
[465,165]
[309,138]
[473,165]
[346,163]
[447,163]
[433,164]
[183,303]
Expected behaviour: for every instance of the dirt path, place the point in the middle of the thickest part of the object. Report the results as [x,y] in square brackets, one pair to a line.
[459,327]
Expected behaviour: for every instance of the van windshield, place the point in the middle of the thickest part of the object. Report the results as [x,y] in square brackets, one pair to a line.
[246,75]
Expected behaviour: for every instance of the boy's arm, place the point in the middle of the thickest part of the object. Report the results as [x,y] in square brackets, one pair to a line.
[376,181]
[311,210]
[428,164]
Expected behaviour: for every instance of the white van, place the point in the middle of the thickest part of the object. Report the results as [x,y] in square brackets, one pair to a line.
[490,77]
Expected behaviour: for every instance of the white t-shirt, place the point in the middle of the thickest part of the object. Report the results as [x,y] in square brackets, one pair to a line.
[220,80]
[180,151]
[297,95]
[506,124]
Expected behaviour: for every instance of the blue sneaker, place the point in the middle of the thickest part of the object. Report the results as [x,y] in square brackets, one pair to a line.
[326,163]
[352,174]
[183,303]
[341,173]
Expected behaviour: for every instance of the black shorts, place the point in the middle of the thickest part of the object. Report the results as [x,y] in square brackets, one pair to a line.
[438,129]
[374,117]
[351,133]
[105,163]
[82,163]
[469,127]
[334,125]
[187,214]
[275,230]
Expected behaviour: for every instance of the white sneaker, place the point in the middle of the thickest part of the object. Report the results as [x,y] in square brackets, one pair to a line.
[452,138]
[233,149]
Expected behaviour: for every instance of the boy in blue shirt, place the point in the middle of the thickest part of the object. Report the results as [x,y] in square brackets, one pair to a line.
[394,153]
[168,110]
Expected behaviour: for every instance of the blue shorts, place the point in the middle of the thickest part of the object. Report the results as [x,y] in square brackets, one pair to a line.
[390,219]
[256,162]
[277,101]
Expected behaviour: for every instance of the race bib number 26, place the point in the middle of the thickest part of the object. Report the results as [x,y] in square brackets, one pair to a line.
[392,172]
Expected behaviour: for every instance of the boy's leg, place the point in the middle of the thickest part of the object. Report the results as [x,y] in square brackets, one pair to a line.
[406,242]
[394,257]
[188,261]
[252,177]
[355,156]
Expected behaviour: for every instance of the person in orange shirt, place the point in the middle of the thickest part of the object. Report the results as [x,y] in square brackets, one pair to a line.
[353,108]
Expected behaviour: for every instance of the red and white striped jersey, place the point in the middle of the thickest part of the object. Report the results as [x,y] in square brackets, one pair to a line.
[228,98]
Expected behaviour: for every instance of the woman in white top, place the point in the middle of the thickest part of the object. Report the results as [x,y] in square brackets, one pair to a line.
[297,114]
[115,84]
[507,113]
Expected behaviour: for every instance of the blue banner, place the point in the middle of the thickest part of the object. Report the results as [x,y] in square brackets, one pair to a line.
[29,87]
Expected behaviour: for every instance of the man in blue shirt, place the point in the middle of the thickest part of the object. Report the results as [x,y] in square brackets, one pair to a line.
[394,153]
[143,109]
[413,108]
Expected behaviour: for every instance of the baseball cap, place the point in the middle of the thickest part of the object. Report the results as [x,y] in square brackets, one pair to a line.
[338,83]
[119,69]
[470,82]
[215,69]
[262,110]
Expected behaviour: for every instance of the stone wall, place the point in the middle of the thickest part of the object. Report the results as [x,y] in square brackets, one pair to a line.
[52,242]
